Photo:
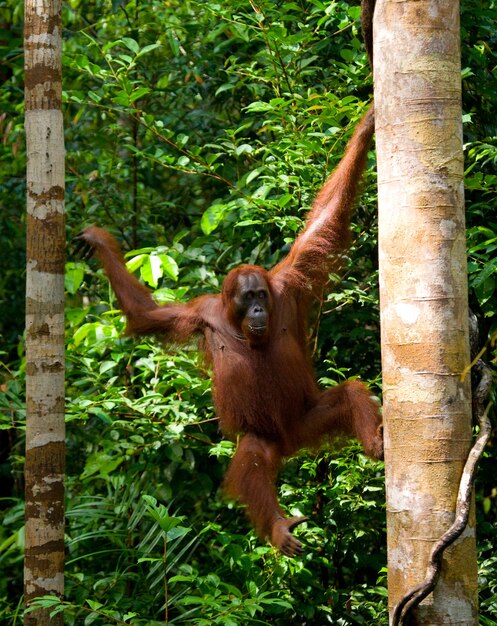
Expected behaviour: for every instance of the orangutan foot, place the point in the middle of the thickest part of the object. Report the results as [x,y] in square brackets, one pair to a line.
[282,538]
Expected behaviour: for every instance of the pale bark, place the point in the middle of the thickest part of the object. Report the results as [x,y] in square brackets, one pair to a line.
[45,450]
[423,288]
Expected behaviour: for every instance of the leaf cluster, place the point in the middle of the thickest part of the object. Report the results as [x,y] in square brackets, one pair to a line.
[199,132]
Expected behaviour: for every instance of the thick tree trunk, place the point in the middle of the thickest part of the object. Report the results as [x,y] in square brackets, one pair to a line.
[424,307]
[45,451]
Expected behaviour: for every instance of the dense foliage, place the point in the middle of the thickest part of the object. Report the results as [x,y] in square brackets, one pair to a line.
[198,132]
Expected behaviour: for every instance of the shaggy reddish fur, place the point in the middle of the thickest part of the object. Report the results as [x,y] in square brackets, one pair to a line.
[267,392]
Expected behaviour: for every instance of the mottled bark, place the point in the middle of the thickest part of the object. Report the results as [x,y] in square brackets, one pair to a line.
[423,287]
[45,450]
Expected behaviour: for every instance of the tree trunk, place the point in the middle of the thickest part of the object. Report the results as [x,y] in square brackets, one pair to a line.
[424,306]
[45,449]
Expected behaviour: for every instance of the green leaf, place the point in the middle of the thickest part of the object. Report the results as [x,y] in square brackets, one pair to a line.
[212,218]
[177,532]
[149,48]
[101,414]
[173,42]
[161,515]
[135,262]
[131,44]
[74,275]
[169,266]
[182,139]
[101,464]
[105,366]
[259,107]
[111,44]
[93,604]
[244,148]
[96,97]
[481,277]
[129,615]
[139,93]
[183,161]
[81,333]
[151,270]
[254,174]
[121,98]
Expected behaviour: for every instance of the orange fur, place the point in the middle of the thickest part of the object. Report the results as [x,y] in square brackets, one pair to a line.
[267,391]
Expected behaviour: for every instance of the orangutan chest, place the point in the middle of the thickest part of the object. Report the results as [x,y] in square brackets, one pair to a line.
[256,384]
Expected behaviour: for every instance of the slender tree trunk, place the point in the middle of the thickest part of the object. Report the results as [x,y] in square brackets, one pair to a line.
[424,307]
[45,451]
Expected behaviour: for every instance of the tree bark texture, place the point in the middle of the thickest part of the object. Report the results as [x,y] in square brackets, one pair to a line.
[45,435]
[424,307]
